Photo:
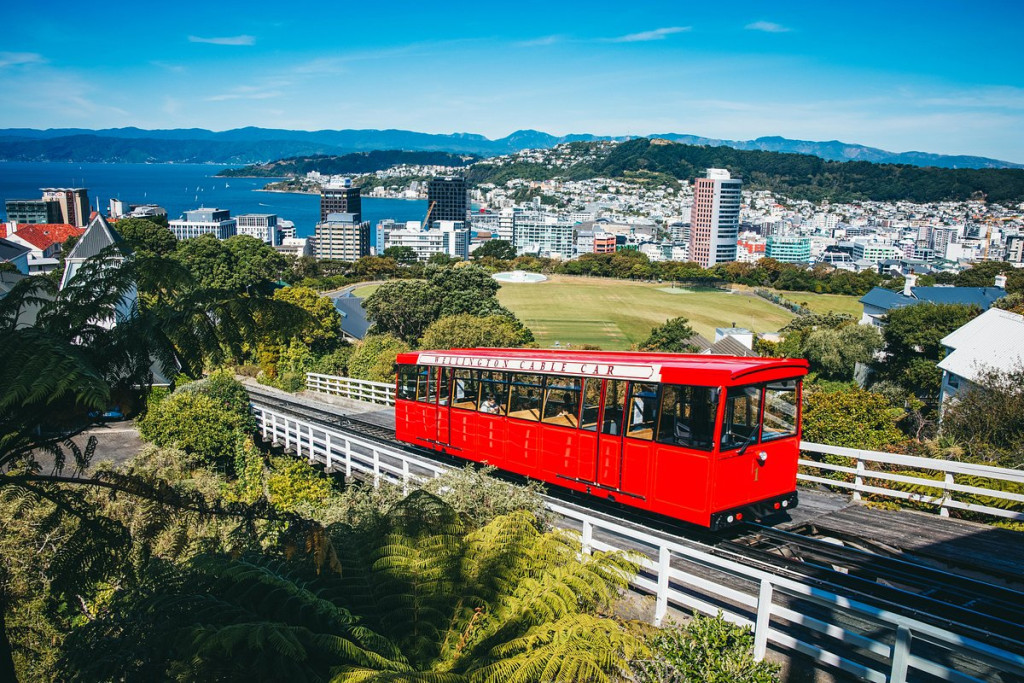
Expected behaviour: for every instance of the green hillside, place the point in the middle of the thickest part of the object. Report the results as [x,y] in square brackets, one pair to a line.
[798,176]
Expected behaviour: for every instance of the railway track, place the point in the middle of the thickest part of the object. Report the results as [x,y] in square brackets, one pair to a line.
[984,611]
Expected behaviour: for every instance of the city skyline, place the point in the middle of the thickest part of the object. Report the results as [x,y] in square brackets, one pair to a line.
[935,77]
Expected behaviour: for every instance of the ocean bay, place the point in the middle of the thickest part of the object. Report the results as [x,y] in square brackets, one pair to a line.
[180,187]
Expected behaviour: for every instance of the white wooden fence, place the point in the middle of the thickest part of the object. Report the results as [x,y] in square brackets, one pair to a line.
[867,468]
[382,393]
[868,642]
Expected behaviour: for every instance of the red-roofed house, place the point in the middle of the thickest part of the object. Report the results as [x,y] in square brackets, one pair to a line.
[45,240]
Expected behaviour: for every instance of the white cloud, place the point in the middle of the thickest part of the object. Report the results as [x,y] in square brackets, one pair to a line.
[541,42]
[656,34]
[224,40]
[767,27]
[20,59]
[167,66]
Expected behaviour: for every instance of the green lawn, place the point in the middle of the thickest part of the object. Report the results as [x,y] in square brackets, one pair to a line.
[615,314]
[364,291]
[827,303]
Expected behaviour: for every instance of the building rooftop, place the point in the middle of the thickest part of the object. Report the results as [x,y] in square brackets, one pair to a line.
[992,341]
[44,235]
[97,237]
[11,250]
[886,299]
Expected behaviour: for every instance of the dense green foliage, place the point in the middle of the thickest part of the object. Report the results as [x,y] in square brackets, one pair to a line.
[675,336]
[407,308]
[850,417]
[913,344]
[143,235]
[798,176]
[348,164]
[703,649]
[464,331]
[988,419]
[494,248]
[374,357]
[196,424]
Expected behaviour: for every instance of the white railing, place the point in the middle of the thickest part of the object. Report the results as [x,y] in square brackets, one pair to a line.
[355,389]
[781,611]
[868,468]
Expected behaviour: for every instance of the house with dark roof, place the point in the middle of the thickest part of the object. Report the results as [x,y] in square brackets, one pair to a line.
[15,254]
[354,324]
[879,301]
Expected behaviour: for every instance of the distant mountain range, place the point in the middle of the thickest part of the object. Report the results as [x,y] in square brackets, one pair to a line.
[253,145]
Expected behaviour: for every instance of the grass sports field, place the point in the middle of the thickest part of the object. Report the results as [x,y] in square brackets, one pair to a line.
[615,314]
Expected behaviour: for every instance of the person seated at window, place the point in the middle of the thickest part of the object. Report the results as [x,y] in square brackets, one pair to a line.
[490,406]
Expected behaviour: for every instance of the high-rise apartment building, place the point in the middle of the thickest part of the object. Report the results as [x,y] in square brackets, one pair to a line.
[341,198]
[202,221]
[715,218]
[342,236]
[73,202]
[262,226]
[33,211]
[449,197]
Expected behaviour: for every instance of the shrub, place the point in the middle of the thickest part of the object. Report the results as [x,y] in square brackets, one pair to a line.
[707,649]
[852,417]
[197,424]
[373,358]
[292,483]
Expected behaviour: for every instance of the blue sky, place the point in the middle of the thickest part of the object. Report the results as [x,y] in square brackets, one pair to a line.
[934,76]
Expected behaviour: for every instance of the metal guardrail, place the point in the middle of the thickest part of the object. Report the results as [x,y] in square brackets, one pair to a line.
[866,468]
[871,643]
[356,389]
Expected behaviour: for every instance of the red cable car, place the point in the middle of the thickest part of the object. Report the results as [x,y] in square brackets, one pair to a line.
[711,440]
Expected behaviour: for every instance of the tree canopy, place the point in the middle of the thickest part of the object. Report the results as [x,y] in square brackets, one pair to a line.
[674,336]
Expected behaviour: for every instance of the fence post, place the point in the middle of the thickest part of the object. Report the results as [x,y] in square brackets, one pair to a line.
[376,468]
[661,606]
[900,655]
[946,495]
[588,536]
[405,477]
[764,618]
[858,480]
[348,458]
[328,448]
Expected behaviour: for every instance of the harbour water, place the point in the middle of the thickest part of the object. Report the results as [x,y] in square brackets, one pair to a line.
[180,187]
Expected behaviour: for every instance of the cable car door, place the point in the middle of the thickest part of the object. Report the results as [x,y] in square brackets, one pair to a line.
[609,438]
[444,408]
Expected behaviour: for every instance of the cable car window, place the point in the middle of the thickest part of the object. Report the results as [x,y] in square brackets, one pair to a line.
[466,389]
[562,401]
[742,417]
[780,410]
[445,392]
[426,384]
[614,407]
[643,410]
[493,392]
[527,391]
[591,405]
[688,416]
[407,382]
